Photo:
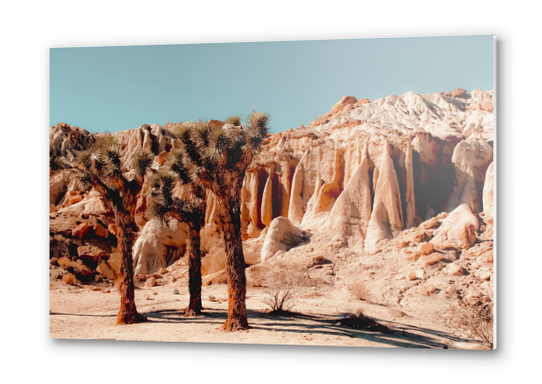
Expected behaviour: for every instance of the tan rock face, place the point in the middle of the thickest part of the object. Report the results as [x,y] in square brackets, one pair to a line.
[81,231]
[427,248]
[66,140]
[459,92]
[487,106]
[343,103]
[93,252]
[454,269]
[159,245]
[361,175]
[100,231]
[458,230]
[426,261]
[361,102]
[113,228]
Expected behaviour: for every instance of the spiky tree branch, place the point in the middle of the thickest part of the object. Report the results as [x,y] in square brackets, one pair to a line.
[190,210]
[217,156]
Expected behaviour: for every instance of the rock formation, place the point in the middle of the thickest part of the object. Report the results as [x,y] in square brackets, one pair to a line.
[159,245]
[282,235]
[359,176]
[366,171]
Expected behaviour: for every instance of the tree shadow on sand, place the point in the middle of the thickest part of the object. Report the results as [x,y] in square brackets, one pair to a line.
[393,334]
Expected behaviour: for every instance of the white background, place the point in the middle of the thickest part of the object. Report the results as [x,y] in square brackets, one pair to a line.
[29,29]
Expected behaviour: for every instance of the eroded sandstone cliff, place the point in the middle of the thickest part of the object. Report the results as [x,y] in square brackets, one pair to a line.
[359,176]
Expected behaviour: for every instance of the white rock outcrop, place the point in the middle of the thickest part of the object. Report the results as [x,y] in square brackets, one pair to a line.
[282,235]
[159,245]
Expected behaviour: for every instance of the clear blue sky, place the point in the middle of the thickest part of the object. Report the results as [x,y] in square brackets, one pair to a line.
[116,88]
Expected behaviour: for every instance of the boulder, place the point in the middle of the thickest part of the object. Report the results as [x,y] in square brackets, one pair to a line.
[420,274]
[159,245]
[151,282]
[454,269]
[426,261]
[427,248]
[74,199]
[459,92]
[113,228]
[431,223]
[282,235]
[430,288]
[319,260]
[100,231]
[219,277]
[458,230]
[344,102]
[252,248]
[362,102]
[80,231]
[92,252]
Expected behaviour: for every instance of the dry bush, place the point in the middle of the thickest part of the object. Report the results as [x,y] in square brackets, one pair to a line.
[472,322]
[78,268]
[69,278]
[359,320]
[360,291]
[256,275]
[282,282]
[66,263]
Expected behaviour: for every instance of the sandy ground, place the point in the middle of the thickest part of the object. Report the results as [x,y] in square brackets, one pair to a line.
[79,312]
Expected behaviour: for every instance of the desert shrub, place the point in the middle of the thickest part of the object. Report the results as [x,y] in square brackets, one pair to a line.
[282,282]
[69,278]
[473,322]
[360,291]
[359,320]
[66,263]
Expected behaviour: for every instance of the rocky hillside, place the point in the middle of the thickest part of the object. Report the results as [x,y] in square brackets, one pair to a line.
[409,176]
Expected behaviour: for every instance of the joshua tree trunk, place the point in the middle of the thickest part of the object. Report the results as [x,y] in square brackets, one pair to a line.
[231,224]
[194,257]
[128,313]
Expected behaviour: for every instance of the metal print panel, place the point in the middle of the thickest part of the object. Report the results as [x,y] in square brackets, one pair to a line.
[330,193]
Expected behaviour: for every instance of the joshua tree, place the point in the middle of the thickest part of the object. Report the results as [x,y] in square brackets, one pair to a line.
[217,156]
[190,211]
[100,167]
